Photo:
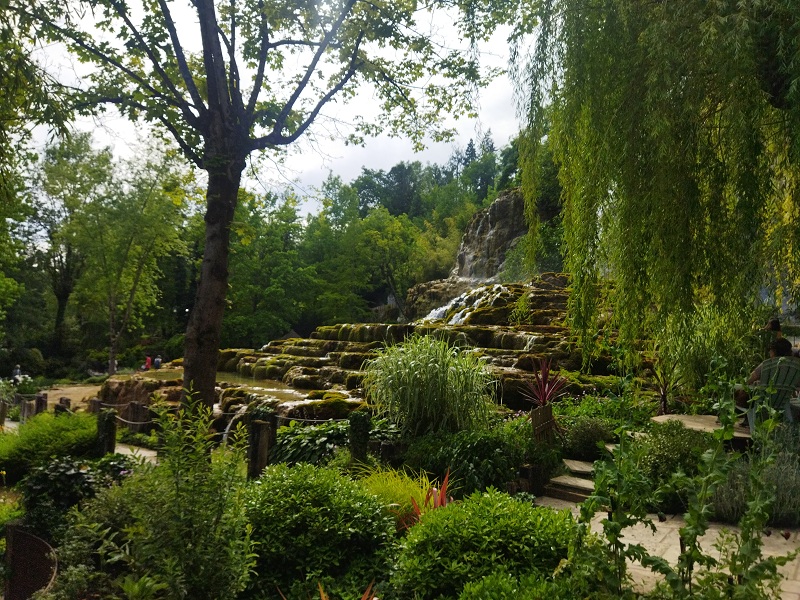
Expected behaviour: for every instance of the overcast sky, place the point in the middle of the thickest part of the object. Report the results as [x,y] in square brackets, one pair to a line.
[308,162]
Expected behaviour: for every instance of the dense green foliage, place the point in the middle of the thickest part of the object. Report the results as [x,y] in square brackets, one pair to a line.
[178,527]
[43,437]
[51,489]
[424,385]
[396,489]
[626,409]
[298,443]
[501,585]
[448,547]
[29,99]
[314,525]
[478,460]
[583,437]
[675,126]
[669,448]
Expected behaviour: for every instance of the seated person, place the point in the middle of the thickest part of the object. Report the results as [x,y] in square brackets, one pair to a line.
[777,348]
[780,373]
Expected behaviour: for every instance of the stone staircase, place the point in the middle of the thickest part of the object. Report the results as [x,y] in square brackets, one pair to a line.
[574,486]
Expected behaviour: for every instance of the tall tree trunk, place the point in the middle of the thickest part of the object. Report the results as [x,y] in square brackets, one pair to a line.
[205,322]
[62,298]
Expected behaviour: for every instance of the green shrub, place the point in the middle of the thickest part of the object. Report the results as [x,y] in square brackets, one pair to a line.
[395,490]
[317,444]
[313,525]
[668,448]
[476,459]
[14,414]
[314,444]
[626,410]
[468,540]
[178,525]
[43,437]
[424,385]
[50,490]
[782,475]
[504,586]
[581,437]
[143,440]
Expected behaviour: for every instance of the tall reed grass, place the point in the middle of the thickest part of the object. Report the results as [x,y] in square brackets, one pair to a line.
[424,385]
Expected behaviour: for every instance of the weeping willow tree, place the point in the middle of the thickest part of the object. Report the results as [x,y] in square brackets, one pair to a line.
[677,130]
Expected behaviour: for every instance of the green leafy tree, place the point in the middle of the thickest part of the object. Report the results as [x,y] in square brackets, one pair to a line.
[27,100]
[330,243]
[676,128]
[481,171]
[390,246]
[123,235]
[72,177]
[270,286]
[255,77]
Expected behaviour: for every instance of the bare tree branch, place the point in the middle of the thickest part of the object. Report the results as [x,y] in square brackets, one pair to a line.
[262,62]
[276,138]
[183,66]
[218,92]
[280,121]
[106,59]
[180,101]
[185,147]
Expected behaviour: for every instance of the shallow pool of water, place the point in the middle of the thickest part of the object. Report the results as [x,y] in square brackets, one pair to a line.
[265,387]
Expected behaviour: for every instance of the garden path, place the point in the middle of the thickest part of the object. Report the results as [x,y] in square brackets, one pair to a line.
[664,542]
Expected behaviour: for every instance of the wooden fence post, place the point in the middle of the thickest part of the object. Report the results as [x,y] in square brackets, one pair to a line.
[106,431]
[262,438]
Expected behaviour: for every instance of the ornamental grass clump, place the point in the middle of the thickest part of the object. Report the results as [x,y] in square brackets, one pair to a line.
[425,385]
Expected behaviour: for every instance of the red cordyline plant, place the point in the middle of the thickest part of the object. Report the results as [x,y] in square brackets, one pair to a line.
[545,387]
[435,498]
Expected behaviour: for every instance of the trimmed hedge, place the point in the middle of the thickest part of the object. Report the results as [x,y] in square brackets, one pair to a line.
[43,437]
[468,540]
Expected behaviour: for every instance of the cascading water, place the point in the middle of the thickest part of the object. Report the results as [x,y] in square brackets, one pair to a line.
[456,311]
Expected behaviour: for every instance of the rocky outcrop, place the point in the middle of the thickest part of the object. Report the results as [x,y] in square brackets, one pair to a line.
[333,357]
[489,236]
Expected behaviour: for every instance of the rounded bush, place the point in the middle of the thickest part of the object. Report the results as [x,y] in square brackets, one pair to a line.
[43,437]
[466,541]
[582,436]
[503,586]
[311,526]
[51,489]
[668,448]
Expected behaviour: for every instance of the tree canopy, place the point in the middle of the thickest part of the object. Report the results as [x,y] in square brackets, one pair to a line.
[226,79]
[677,130]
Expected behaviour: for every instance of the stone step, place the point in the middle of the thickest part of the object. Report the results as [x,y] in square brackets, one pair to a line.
[567,487]
[579,468]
